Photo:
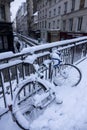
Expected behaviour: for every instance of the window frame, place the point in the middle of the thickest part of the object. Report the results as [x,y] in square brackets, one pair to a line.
[59,10]
[82,4]
[70,24]
[80,20]
[2,12]
[64,25]
[73,5]
[65,7]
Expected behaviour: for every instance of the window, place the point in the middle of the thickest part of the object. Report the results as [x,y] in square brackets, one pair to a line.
[45,23]
[49,25]
[58,22]
[45,12]
[54,12]
[64,25]
[70,24]
[42,24]
[5,42]
[65,7]
[54,1]
[59,10]
[43,3]
[50,2]
[2,12]
[49,13]
[82,2]
[38,24]
[40,14]
[53,24]
[46,3]
[73,5]
[1,43]
[80,19]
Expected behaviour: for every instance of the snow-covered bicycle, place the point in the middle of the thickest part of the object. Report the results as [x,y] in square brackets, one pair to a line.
[36,93]
[61,73]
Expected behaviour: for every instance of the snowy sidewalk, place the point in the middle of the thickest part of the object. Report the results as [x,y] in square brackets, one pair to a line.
[71,115]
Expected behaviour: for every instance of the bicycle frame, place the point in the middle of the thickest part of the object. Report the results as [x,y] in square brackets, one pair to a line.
[44,67]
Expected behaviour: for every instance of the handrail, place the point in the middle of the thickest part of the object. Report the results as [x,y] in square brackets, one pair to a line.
[49,46]
[28,40]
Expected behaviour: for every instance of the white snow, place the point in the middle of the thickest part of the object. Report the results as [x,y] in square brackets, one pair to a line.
[22,120]
[30,59]
[38,98]
[6,55]
[35,14]
[53,44]
[70,115]
[10,63]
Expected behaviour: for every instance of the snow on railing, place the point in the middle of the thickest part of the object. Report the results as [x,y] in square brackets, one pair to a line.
[28,40]
[13,69]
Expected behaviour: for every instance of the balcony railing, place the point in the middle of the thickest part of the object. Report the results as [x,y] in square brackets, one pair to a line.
[13,71]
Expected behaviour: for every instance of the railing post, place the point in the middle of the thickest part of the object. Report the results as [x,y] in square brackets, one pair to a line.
[23,68]
[73,53]
[9,73]
[17,74]
[3,88]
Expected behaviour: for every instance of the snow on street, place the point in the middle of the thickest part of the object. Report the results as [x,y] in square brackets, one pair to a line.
[70,115]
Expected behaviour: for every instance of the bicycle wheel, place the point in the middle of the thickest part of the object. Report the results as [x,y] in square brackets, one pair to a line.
[67,75]
[29,102]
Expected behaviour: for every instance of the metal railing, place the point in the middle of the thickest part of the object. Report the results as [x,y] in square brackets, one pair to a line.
[13,70]
[29,41]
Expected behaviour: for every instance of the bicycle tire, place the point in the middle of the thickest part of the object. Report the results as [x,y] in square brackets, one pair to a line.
[17,109]
[73,76]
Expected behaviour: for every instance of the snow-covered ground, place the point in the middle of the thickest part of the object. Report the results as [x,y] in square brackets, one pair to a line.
[70,115]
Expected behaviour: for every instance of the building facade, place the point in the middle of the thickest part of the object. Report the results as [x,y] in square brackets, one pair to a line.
[62,18]
[21,20]
[6,32]
[32,16]
[34,19]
